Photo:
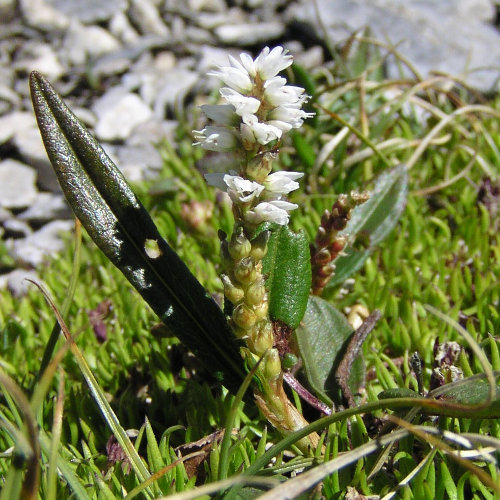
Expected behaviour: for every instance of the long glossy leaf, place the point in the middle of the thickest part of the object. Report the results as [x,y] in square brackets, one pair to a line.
[288,269]
[372,221]
[322,338]
[120,226]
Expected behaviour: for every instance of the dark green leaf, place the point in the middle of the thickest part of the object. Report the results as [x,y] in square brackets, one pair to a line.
[399,392]
[304,150]
[372,221]
[322,338]
[120,226]
[288,269]
[470,392]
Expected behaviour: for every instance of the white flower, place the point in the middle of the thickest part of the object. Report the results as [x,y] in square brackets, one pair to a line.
[272,211]
[253,131]
[242,104]
[287,117]
[277,92]
[235,77]
[242,190]
[270,63]
[280,183]
[222,114]
[216,138]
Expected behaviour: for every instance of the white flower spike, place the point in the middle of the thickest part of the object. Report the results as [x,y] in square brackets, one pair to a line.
[260,108]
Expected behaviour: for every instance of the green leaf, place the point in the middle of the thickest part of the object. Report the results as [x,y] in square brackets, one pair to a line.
[120,226]
[288,267]
[372,221]
[304,150]
[322,338]
[470,392]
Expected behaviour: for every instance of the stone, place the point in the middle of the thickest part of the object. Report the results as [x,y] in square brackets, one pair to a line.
[120,27]
[249,34]
[7,10]
[15,228]
[17,184]
[28,142]
[41,15]
[39,246]
[5,215]
[8,100]
[118,112]
[146,17]
[435,35]
[35,55]
[211,57]
[46,207]
[89,11]
[83,42]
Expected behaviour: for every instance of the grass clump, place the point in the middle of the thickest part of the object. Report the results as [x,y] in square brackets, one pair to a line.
[435,274]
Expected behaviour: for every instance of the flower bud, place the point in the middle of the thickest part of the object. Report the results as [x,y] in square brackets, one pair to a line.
[259,245]
[260,166]
[255,293]
[240,246]
[322,257]
[262,310]
[244,317]
[289,360]
[273,364]
[233,293]
[244,270]
[263,341]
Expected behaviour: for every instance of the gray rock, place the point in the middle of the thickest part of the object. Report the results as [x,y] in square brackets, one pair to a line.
[30,148]
[118,112]
[7,10]
[211,57]
[35,55]
[89,11]
[17,281]
[120,27]
[144,14]
[83,42]
[15,228]
[46,207]
[17,184]
[138,162]
[39,14]
[210,20]
[438,35]
[40,245]
[8,99]
[5,215]
[247,34]
[206,5]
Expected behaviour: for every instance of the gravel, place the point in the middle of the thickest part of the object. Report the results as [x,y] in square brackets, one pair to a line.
[126,66]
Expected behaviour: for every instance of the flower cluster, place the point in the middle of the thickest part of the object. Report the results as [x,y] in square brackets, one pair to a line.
[260,109]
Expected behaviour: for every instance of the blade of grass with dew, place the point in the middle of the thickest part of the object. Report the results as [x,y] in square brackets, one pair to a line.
[68,298]
[100,398]
[229,423]
[55,442]
[31,480]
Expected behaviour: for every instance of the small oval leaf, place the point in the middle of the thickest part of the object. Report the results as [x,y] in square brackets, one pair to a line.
[372,221]
[322,338]
[287,265]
